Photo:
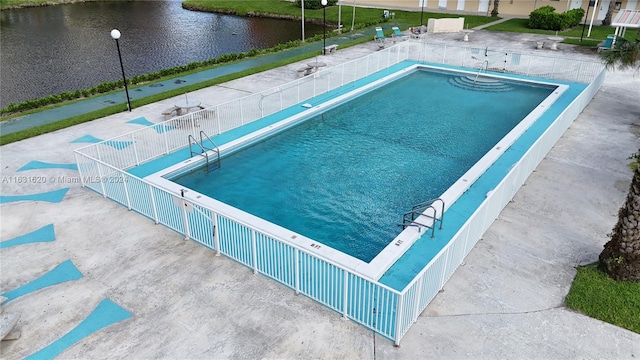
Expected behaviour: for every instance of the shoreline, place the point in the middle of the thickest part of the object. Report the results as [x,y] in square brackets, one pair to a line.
[45,3]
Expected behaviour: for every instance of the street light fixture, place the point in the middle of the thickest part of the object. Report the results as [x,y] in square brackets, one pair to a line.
[115,34]
[324,21]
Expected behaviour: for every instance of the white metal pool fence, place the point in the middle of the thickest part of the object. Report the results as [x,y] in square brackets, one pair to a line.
[386,311]
[484,59]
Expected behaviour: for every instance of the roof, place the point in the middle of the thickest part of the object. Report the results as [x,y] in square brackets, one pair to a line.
[627,18]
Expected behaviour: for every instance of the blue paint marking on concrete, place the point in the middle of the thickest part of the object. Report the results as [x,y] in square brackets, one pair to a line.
[64,272]
[106,313]
[140,121]
[44,234]
[36,165]
[92,139]
[120,145]
[52,196]
[158,128]
[86,139]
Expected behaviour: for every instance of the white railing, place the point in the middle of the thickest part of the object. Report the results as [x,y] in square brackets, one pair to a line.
[547,67]
[140,146]
[384,310]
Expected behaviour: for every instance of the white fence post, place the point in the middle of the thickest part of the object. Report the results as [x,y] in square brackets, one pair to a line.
[396,341]
[126,191]
[166,142]
[100,180]
[217,118]
[417,298]
[187,234]
[153,205]
[345,301]
[296,258]
[135,148]
[254,252]
[216,234]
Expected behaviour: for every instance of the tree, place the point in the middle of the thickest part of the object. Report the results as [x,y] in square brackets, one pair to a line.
[607,18]
[620,258]
[625,54]
[494,12]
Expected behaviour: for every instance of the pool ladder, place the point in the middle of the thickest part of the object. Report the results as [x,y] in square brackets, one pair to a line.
[484,65]
[213,159]
[421,211]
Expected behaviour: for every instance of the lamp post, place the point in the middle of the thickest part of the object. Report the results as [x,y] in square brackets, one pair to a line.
[421,12]
[302,20]
[324,21]
[115,34]
[339,16]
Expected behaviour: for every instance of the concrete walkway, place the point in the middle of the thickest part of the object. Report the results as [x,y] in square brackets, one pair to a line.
[186,303]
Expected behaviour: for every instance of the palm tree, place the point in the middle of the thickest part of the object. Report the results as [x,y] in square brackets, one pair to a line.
[620,258]
[625,54]
[607,18]
[494,12]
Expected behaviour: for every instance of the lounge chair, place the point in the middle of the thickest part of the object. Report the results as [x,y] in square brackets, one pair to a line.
[398,34]
[607,44]
[380,38]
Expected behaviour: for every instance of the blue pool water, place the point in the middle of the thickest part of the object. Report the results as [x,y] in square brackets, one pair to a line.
[344,178]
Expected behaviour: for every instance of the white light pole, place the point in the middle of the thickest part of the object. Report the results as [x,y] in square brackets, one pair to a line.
[115,34]
[595,8]
[302,20]
[339,13]
[353,18]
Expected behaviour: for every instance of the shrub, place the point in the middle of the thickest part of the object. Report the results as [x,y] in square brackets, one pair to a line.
[546,18]
[571,18]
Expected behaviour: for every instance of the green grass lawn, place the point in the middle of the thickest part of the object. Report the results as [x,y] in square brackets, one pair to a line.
[598,296]
[598,33]
[364,16]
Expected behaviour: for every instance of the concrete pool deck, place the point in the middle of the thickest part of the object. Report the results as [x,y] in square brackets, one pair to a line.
[505,302]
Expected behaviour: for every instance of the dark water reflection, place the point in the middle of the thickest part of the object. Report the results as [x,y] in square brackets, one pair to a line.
[48,50]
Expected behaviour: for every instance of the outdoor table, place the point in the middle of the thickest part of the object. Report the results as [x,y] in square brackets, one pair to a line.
[554,41]
[466,34]
[316,65]
[184,107]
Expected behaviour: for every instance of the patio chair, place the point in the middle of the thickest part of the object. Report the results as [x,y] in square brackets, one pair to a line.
[398,34]
[380,39]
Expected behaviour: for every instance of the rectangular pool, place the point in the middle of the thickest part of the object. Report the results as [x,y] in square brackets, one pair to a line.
[340,178]
[345,177]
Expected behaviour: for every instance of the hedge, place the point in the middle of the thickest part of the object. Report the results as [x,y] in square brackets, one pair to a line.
[546,18]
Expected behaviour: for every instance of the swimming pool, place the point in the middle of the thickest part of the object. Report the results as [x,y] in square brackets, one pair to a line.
[346,176]
[387,294]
